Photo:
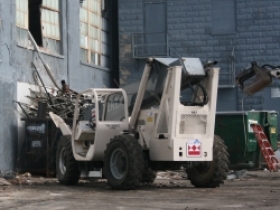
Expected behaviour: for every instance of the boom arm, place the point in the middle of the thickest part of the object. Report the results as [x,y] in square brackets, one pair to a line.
[140,95]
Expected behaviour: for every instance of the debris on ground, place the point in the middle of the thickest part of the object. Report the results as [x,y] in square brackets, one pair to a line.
[7,174]
[236,174]
[28,179]
[171,175]
[164,179]
[21,179]
[4,182]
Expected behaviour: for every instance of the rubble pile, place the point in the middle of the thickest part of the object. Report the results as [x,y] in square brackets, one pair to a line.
[60,104]
[59,100]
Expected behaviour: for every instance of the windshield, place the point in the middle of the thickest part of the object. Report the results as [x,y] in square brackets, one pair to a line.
[114,107]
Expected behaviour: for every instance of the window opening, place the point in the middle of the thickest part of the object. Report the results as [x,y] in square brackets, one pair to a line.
[90,31]
[41,18]
[34,20]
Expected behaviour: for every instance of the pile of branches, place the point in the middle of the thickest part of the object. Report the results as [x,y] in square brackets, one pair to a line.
[60,104]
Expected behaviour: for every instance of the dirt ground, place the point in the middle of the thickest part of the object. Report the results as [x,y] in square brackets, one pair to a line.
[256,190]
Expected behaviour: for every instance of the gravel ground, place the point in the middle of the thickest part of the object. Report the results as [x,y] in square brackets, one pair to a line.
[171,190]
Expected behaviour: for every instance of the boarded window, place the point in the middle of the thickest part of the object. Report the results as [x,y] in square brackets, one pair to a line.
[41,18]
[90,31]
[223,16]
[22,21]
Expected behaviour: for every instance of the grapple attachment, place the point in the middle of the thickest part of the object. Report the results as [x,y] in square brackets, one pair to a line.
[253,80]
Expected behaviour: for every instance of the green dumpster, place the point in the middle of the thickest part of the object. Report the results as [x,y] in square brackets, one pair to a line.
[234,128]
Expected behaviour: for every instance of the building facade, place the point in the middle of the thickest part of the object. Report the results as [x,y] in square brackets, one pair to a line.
[74,39]
[97,43]
[232,32]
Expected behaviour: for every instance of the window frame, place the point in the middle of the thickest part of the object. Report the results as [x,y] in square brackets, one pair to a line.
[18,10]
[88,49]
[51,44]
[53,11]
[22,30]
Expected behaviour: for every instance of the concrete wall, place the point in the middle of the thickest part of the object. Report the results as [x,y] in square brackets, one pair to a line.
[197,31]
[15,66]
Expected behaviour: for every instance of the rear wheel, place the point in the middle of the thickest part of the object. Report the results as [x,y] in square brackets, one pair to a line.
[123,163]
[67,169]
[211,174]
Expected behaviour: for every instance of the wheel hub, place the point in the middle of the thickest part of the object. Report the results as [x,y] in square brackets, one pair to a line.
[62,161]
[118,164]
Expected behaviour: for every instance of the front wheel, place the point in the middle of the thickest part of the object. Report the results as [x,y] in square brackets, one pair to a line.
[148,175]
[67,169]
[211,173]
[123,163]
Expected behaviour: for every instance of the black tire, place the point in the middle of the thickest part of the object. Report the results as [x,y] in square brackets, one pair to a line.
[148,175]
[123,163]
[67,168]
[211,174]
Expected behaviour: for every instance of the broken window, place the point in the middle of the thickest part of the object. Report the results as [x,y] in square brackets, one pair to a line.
[90,32]
[22,21]
[42,20]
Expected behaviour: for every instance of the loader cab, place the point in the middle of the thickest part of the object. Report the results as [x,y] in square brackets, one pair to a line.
[104,115]
[105,107]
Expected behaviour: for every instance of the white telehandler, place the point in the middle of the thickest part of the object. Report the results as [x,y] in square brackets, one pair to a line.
[131,135]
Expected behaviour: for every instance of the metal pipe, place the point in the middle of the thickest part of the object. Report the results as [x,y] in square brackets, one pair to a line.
[45,65]
[48,95]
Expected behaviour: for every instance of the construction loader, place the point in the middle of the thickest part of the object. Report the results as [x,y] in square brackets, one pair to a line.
[128,134]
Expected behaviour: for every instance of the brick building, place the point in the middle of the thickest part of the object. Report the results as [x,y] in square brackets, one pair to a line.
[233,32]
